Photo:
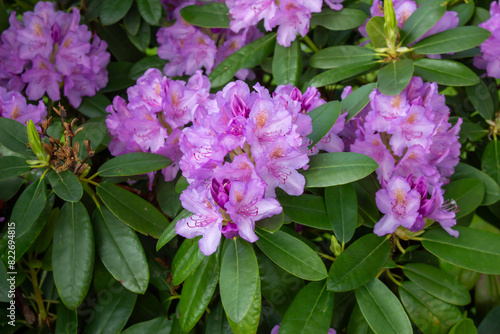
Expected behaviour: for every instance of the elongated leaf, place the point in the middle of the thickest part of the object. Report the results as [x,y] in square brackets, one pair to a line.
[271,224]
[474,249]
[217,322]
[66,185]
[94,106]
[424,18]
[11,166]
[381,309]
[395,76]
[210,15]
[142,38]
[292,255]
[4,18]
[338,56]
[113,11]
[123,50]
[430,314]
[10,187]
[95,130]
[491,189]
[138,69]
[480,97]
[132,21]
[331,169]
[310,312]
[306,209]
[342,208]
[465,326]
[345,19]
[369,210]
[464,12]
[357,100]
[338,74]
[133,163]
[239,279]
[67,320]
[132,210]
[121,251]
[357,323]
[250,321]
[438,283]
[375,30]
[186,260]
[160,325]
[445,72]
[169,233]
[359,263]
[150,10]
[287,64]
[117,71]
[73,254]
[490,163]
[323,118]
[29,206]
[14,136]
[198,291]
[491,323]
[452,40]
[467,193]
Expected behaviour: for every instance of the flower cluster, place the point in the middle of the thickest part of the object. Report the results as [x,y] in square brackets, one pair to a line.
[291,16]
[151,121]
[243,146]
[13,105]
[49,50]
[416,147]
[490,58]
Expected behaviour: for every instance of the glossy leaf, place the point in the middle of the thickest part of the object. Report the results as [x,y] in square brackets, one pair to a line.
[323,118]
[467,193]
[491,188]
[359,263]
[480,97]
[138,69]
[150,10]
[217,322]
[445,72]
[132,210]
[132,21]
[250,321]
[169,232]
[168,199]
[29,206]
[491,323]
[210,15]
[292,255]
[11,166]
[67,320]
[452,40]
[118,71]
[271,224]
[375,31]
[306,209]
[73,254]
[338,74]
[113,11]
[331,169]
[14,136]
[186,260]
[369,210]
[287,64]
[345,19]
[95,130]
[464,12]
[159,325]
[474,249]
[143,37]
[357,323]
[424,18]
[94,106]
[66,185]
[133,163]
[338,56]
[465,326]
[310,312]
[490,163]
[395,76]
[342,208]
[357,100]
[382,309]
[121,251]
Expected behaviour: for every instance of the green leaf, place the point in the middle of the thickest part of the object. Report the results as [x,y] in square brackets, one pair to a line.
[395,76]
[292,255]
[4,18]
[239,279]
[491,188]
[11,166]
[169,233]
[14,136]
[287,64]
[66,185]
[94,106]
[10,187]
[438,283]
[323,118]
[67,320]
[491,323]
[142,38]
[310,312]
[210,15]
[271,224]
[186,260]
[480,97]
[217,322]
[464,12]
[250,322]
[29,206]
[133,163]
[197,292]
[369,210]
[357,322]
[357,100]
[160,325]
[113,11]
[359,263]
[345,19]
[382,309]
[73,254]
[467,193]
[118,75]
[490,162]
[480,15]
[376,32]
[132,21]
[338,74]
[121,251]
[338,56]
[114,308]
[138,69]
[132,210]
[342,208]
[452,40]
[124,51]
[424,18]
[331,169]
[306,209]
[474,249]
[95,131]
[465,326]
[430,314]
[168,199]
[150,10]
[445,72]
[247,57]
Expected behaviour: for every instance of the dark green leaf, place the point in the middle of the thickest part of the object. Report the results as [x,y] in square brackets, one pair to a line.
[452,40]
[160,325]
[445,72]
[395,76]
[465,326]
[357,323]
[10,187]
[138,69]
[124,51]
[67,321]
[342,209]
[359,263]
[491,189]
[150,10]
[210,15]
[375,31]
[306,209]
[4,18]
[345,19]
[271,224]
[338,74]
[95,131]
[44,239]
[310,312]
[357,100]
[29,206]
[424,18]
[132,210]
[369,210]
[250,321]
[133,163]
[132,21]
[168,199]
[121,251]
[287,64]
[323,118]
[464,12]
[73,254]
[169,233]
[338,56]
[66,185]
[94,106]
[467,193]
[490,163]
[113,11]
[217,322]
[331,169]
[490,324]
[118,76]
[480,15]
[186,260]
[14,136]
[480,97]
[142,38]
[11,166]
[474,249]
[292,255]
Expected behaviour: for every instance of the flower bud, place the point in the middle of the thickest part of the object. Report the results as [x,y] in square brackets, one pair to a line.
[391,24]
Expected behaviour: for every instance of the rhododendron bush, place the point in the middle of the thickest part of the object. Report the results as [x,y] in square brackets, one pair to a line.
[237,166]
